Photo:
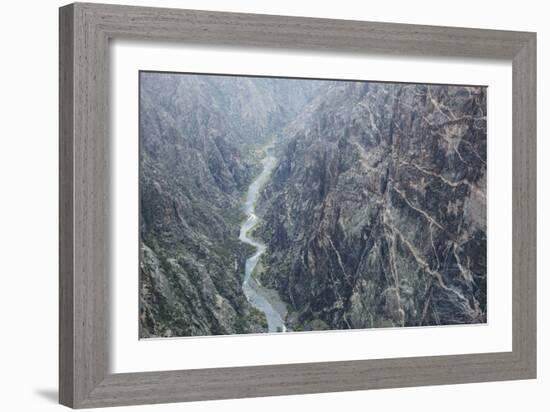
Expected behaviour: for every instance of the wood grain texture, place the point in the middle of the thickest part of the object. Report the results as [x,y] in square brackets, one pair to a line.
[66,229]
[85,31]
[524,204]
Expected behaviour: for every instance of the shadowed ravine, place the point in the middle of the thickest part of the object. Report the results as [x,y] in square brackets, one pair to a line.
[255,293]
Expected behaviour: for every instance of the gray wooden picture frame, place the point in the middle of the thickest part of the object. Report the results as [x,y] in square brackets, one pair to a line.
[85,31]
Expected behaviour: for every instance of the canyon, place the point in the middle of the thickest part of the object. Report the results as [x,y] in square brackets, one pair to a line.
[371,211]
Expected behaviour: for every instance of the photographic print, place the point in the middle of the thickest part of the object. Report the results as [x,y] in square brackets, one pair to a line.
[277,205]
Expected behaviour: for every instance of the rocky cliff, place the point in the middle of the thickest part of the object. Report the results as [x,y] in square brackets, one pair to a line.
[375,215]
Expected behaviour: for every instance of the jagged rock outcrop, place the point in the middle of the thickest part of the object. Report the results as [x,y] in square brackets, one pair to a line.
[375,215]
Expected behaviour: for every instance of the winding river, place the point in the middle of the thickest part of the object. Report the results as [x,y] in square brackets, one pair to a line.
[255,293]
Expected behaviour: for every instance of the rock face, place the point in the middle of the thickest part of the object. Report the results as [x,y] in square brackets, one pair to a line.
[198,136]
[376,212]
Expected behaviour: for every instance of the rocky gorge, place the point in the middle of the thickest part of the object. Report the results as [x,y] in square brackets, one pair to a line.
[373,215]
[200,148]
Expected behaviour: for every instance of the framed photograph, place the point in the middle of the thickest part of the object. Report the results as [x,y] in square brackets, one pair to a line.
[257,205]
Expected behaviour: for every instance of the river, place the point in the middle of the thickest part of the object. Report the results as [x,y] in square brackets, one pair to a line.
[259,297]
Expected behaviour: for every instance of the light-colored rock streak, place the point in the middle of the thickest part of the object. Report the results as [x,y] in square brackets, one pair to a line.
[423,213]
[473,188]
[438,106]
[473,312]
[437,175]
[466,274]
[339,258]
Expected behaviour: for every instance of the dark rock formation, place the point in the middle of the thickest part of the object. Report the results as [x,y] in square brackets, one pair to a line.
[375,215]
